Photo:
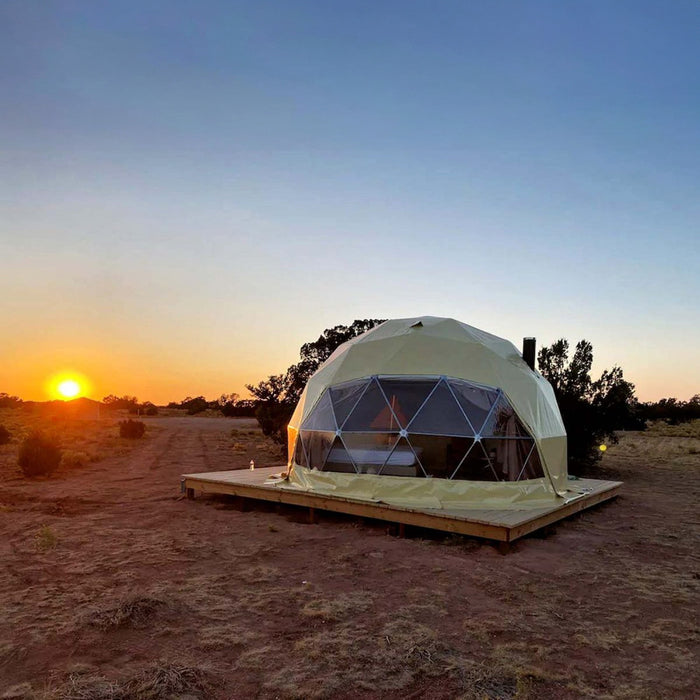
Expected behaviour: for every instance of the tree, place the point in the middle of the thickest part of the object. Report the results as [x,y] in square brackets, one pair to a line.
[125,401]
[7,401]
[591,410]
[147,408]
[277,396]
[672,410]
[231,406]
[313,355]
[194,405]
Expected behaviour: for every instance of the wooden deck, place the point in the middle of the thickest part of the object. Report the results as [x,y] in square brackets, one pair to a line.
[501,525]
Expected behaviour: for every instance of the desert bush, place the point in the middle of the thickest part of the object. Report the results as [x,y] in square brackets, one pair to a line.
[45,539]
[74,458]
[131,429]
[4,435]
[39,454]
[136,611]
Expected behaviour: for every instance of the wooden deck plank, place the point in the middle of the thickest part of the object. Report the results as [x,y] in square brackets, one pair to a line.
[501,525]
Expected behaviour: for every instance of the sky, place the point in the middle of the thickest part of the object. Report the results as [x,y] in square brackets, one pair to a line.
[189,191]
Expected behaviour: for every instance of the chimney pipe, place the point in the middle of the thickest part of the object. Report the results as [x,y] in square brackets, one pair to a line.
[529,352]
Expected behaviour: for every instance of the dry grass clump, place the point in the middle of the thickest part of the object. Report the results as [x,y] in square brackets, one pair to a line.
[338,608]
[162,681]
[481,681]
[349,655]
[86,687]
[168,681]
[650,448]
[662,429]
[238,432]
[45,539]
[76,458]
[227,635]
[135,611]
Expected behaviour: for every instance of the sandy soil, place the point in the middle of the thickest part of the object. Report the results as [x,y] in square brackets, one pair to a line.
[114,586]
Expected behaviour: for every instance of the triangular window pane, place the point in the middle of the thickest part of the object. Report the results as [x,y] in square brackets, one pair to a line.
[476,466]
[475,401]
[402,461]
[299,454]
[508,459]
[533,466]
[440,455]
[406,396]
[369,451]
[344,397]
[338,459]
[503,422]
[372,413]
[317,445]
[440,415]
[321,416]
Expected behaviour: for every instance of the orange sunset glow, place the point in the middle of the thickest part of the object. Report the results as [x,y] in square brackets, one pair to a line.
[67,386]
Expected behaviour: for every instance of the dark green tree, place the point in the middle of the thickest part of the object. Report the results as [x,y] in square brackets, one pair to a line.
[672,410]
[194,405]
[277,396]
[591,410]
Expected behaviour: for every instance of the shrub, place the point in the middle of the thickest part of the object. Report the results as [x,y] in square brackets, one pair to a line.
[131,429]
[4,435]
[7,401]
[39,454]
[73,458]
[45,539]
[146,409]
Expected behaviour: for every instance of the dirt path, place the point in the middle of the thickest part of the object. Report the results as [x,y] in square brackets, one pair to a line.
[109,579]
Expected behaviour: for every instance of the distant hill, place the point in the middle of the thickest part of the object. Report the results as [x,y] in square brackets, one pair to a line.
[84,408]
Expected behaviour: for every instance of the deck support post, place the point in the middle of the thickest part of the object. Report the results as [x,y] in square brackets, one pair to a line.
[190,494]
[504,548]
[312,515]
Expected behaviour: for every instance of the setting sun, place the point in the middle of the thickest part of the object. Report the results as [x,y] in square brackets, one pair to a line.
[67,385]
[68,388]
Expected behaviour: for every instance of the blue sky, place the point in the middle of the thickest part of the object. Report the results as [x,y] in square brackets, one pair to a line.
[191,190]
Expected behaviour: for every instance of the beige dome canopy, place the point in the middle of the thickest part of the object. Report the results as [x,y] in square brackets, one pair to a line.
[429,411]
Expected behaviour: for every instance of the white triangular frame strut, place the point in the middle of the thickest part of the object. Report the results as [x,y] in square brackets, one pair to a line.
[415,454]
[499,399]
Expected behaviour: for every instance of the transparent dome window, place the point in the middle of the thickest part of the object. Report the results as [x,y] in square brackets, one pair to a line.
[438,427]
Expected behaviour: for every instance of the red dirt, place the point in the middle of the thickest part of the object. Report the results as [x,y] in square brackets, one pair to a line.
[108,573]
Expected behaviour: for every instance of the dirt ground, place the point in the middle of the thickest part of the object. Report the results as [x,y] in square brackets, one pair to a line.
[112,585]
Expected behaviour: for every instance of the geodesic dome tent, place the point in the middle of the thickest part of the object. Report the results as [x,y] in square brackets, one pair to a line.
[432,412]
